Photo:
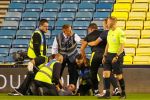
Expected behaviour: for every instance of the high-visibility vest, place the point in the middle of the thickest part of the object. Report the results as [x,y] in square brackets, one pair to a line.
[31,53]
[45,73]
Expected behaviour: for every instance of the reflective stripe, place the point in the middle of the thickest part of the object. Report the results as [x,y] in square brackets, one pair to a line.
[45,74]
[93,53]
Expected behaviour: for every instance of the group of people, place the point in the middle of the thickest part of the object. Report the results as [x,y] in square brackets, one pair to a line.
[44,72]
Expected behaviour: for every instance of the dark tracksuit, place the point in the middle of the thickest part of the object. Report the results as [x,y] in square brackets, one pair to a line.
[97,53]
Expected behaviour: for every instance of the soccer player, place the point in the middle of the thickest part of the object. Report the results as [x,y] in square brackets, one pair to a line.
[113,57]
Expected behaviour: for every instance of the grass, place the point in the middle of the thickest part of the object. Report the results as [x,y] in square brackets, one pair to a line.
[129,97]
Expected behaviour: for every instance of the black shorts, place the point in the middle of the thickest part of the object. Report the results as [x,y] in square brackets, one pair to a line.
[116,68]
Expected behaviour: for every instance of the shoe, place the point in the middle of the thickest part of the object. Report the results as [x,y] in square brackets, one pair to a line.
[123,95]
[116,92]
[40,90]
[13,94]
[95,92]
[104,95]
[17,92]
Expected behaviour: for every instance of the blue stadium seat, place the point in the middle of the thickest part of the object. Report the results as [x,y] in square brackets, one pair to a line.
[10,25]
[34,7]
[48,15]
[86,6]
[80,24]
[16,7]
[51,7]
[20,43]
[30,16]
[83,16]
[55,33]
[24,34]
[104,7]
[81,33]
[66,16]
[71,1]
[1,59]
[50,42]
[19,1]
[100,15]
[8,34]
[99,24]
[13,16]
[69,7]
[49,51]
[36,1]
[4,51]
[107,1]
[55,1]
[90,1]
[60,23]
[5,43]
[51,25]
[27,25]
[9,60]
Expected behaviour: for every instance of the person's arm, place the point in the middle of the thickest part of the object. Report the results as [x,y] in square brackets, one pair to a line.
[36,43]
[82,49]
[77,38]
[96,42]
[55,46]
[56,74]
[105,54]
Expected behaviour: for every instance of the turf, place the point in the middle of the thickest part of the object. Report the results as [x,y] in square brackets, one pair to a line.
[129,97]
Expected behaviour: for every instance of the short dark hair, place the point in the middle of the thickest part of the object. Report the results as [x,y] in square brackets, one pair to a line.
[42,21]
[65,26]
[93,26]
[79,57]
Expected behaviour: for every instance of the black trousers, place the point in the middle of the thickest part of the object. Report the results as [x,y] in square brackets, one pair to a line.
[30,76]
[95,61]
[73,74]
[48,89]
[84,89]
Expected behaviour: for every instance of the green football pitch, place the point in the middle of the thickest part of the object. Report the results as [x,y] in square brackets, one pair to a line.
[129,97]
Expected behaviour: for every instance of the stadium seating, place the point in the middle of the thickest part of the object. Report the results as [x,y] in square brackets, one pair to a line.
[19,1]
[16,7]
[134,25]
[137,15]
[121,24]
[28,25]
[143,51]
[129,51]
[10,25]
[83,16]
[120,15]
[66,16]
[140,7]
[34,7]
[69,7]
[125,7]
[4,51]
[54,1]
[132,34]
[13,16]
[148,16]
[104,6]
[24,34]
[5,43]
[144,43]
[59,24]
[146,24]
[100,15]
[83,6]
[127,60]
[124,1]
[33,16]
[99,24]
[81,24]
[8,34]
[51,7]
[36,1]
[49,15]
[145,34]
[20,43]
[141,60]
[71,1]
[141,1]
[131,43]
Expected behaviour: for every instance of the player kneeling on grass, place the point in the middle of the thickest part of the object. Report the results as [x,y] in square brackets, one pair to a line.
[84,76]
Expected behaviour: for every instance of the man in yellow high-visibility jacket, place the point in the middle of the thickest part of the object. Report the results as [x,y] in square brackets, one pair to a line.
[48,77]
[37,54]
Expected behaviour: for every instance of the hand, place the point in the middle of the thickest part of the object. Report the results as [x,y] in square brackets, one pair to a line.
[114,60]
[103,60]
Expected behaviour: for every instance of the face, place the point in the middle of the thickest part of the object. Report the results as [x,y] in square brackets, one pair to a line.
[90,30]
[44,27]
[111,24]
[67,31]
[71,87]
[79,62]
